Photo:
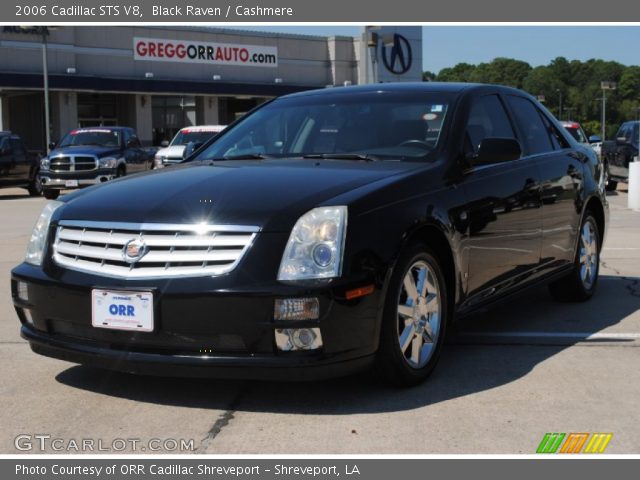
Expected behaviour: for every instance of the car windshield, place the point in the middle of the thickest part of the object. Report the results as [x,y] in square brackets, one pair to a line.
[186,136]
[363,125]
[97,136]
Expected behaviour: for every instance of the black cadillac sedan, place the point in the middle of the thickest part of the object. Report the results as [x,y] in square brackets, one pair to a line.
[324,233]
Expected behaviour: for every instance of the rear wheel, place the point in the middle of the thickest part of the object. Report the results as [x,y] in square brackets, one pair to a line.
[51,194]
[581,284]
[415,319]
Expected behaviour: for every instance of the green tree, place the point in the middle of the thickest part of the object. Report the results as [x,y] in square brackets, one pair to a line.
[460,73]
[505,71]
[578,82]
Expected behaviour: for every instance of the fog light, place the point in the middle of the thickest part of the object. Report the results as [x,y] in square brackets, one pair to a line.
[296,309]
[23,291]
[295,339]
[27,316]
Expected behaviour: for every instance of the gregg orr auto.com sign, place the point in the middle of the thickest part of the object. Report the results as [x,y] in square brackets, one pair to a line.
[188,51]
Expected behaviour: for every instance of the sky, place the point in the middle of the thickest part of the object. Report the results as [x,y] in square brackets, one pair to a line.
[445,46]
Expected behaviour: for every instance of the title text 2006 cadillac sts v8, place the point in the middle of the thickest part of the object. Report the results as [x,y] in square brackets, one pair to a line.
[324,233]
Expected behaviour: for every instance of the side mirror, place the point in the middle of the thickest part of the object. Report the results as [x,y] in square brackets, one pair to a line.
[595,139]
[190,148]
[52,145]
[164,143]
[497,150]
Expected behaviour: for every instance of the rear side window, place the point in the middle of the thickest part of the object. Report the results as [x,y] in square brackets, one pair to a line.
[17,146]
[535,134]
[487,119]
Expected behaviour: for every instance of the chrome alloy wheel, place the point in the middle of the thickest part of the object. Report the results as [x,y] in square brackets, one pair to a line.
[419,307]
[588,255]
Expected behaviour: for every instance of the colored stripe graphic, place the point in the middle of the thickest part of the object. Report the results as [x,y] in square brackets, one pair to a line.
[574,442]
[550,442]
[598,443]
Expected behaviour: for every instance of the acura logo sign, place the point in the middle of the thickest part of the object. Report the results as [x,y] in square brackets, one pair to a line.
[397,58]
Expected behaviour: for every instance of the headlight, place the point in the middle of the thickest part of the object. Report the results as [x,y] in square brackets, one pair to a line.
[38,241]
[315,246]
[45,163]
[159,160]
[108,162]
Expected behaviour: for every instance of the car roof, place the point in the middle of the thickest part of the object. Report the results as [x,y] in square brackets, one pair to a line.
[407,87]
[99,127]
[204,128]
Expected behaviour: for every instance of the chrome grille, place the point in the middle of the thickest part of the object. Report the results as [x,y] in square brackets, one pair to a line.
[171,250]
[73,163]
[61,164]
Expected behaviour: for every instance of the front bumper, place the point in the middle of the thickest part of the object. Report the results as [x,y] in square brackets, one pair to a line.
[199,330]
[67,180]
[166,162]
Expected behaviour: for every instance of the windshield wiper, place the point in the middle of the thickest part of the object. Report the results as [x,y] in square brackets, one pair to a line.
[247,156]
[340,156]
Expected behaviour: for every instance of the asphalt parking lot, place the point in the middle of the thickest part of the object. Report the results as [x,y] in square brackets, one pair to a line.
[507,377]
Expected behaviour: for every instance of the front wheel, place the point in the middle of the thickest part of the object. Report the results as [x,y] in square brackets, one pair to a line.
[414,319]
[51,194]
[609,185]
[580,284]
[35,186]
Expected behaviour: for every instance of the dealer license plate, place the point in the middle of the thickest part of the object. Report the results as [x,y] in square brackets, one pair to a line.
[71,183]
[122,310]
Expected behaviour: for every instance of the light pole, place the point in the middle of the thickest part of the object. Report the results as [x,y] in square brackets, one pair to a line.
[44,31]
[605,85]
[45,73]
[559,104]
[569,111]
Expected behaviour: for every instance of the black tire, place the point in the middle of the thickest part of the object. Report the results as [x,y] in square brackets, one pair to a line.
[35,186]
[391,361]
[51,194]
[577,286]
[609,185]
[121,171]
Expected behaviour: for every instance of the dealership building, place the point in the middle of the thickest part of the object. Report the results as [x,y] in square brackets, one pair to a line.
[159,79]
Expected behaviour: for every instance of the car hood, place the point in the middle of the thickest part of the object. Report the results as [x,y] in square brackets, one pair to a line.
[269,194]
[173,151]
[85,150]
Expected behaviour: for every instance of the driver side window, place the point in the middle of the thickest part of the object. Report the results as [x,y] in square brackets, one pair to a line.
[487,119]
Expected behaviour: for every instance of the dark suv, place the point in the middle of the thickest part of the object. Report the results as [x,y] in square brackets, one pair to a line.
[324,233]
[18,167]
[620,152]
[87,156]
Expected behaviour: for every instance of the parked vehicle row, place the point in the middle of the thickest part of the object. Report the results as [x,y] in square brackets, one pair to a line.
[88,156]
[324,233]
[618,153]
[172,153]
